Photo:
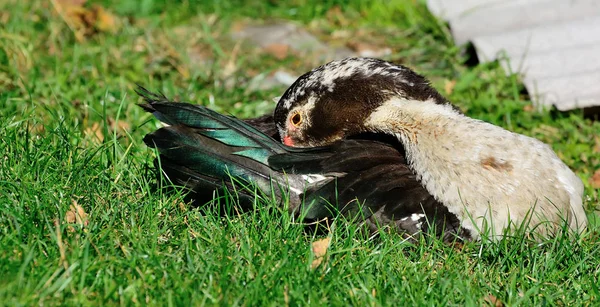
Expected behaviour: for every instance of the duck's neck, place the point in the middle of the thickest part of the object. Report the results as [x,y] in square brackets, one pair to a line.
[421,126]
[435,145]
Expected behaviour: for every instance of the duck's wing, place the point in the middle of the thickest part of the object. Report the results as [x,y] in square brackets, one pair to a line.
[367,181]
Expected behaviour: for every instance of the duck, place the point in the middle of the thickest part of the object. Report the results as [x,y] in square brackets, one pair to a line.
[221,159]
[494,181]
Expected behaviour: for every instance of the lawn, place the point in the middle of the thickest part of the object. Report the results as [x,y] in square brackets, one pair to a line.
[81,222]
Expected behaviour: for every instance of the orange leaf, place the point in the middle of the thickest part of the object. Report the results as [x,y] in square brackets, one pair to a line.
[95,130]
[449,86]
[76,215]
[595,180]
[279,51]
[105,21]
[528,108]
[493,301]
[85,21]
[319,249]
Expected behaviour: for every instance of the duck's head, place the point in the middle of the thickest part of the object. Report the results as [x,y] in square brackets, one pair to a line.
[333,101]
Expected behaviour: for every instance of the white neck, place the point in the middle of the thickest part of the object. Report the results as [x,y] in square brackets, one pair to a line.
[430,132]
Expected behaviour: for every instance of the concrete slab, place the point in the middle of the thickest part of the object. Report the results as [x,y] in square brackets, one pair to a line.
[544,38]
[556,63]
[554,44]
[517,15]
[567,92]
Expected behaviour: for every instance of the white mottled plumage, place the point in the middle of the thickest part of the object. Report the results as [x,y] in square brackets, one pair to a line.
[312,178]
[486,175]
[338,70]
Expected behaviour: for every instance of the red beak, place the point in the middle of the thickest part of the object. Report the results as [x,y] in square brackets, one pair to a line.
[288,141]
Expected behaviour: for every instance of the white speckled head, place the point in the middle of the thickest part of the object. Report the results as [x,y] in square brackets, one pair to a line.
[333,100]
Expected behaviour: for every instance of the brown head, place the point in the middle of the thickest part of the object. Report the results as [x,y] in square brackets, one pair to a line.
[333,101]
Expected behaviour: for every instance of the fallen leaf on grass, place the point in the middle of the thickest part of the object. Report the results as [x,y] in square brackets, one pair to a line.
[85,21]
[458,246]
[96,130]
[76,215]
[36,129]
[319,249]
[449,86]
[279,51]
[105,21]
[118,125]
[286,295]
[493,301]
[595,180]
[238,26]
[528,108]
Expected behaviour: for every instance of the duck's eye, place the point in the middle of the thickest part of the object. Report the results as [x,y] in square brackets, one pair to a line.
[296,119]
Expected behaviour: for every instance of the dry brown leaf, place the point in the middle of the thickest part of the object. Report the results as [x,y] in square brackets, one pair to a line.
[493,301]
[36,129]
[4,17]
[61,245]
[105,21]
[596,148]
[286,295]
[84,21]
[595,180]
[279,51]
[319,249]
[237,26]
[95,130]
[76,215]
[118,125]
[449,86]
[528,108]
[459,246]
[140,44]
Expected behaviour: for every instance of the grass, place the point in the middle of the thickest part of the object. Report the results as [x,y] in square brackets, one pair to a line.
[70,133]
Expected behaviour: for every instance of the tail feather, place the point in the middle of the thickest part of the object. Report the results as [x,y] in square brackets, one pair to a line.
[203,154]
[228,130]
[202,189]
